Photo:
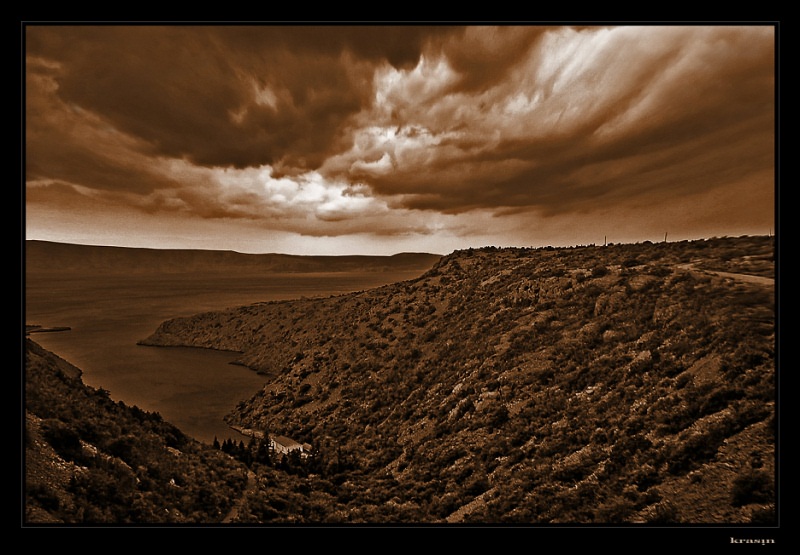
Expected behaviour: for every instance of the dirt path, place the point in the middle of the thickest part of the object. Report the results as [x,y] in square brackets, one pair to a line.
[746,278]
[252,485]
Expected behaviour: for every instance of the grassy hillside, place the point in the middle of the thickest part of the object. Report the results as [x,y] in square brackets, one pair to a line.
[627,383]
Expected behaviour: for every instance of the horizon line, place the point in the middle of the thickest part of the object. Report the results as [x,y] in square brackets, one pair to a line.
[605,242]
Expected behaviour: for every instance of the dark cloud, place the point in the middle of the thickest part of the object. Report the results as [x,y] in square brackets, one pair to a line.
[482,55]
[573,173]
[399,45]
[168,87]
[358,128]
[193,91]
[686,110]
[66,143]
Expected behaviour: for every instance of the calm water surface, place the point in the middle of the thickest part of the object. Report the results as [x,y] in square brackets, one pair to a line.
[191,388]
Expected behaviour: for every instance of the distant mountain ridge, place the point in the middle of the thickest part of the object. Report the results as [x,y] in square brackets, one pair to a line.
[46,256]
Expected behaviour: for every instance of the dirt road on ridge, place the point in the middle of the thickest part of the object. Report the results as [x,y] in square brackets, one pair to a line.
[746,278]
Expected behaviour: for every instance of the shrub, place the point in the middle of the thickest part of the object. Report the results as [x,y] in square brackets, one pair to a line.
[660,271]
[754,486]
[630,262]
[63,439]
[615,511]
[476,486]
[124,448]
[47,498]
[763,515]
[663,512]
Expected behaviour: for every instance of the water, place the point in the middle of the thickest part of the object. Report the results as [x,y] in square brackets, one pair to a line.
[191,388]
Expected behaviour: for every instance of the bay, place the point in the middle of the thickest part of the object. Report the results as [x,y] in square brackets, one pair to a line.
[191,388]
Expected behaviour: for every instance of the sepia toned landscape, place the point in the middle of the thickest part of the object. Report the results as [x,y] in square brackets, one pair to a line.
[438,276]
[622,383]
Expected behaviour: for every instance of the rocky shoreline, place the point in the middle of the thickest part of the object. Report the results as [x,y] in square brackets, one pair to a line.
[35,328]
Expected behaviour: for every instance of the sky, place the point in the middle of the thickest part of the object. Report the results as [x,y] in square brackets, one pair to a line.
[379,139]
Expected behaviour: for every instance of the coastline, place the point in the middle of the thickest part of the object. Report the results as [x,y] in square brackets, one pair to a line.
[35,328]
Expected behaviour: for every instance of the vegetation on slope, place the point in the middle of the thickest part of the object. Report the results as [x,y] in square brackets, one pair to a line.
[89,459]
[627,383]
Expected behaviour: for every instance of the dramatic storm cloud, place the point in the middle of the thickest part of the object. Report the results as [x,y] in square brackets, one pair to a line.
[386,138]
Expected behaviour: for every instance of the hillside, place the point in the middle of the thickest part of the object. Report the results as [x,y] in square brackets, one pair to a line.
[89,459]
[618,384]
[44,256]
